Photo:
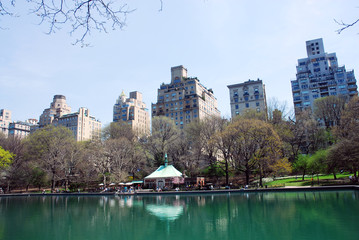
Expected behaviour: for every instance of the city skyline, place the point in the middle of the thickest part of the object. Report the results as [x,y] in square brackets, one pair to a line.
[220,43]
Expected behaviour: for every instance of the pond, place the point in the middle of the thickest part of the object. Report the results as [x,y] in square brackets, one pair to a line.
[267,215]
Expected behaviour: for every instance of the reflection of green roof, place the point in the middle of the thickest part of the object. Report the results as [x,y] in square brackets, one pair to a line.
[137,182]
[165,172]
[165,212]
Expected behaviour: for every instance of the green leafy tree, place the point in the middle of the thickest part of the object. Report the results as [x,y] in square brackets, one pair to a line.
[317,162]
[6,158]
[301,164]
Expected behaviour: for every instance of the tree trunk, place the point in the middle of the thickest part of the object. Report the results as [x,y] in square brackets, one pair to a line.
[260,176]
[66,184]
[335,175]
[303,175]
[247,174]
[53,182]
[8,187]
[227,173]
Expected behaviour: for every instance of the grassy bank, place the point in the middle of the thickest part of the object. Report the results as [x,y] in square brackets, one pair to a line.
[323,180]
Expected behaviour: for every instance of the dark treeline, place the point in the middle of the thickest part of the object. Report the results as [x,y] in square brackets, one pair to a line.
[250,146]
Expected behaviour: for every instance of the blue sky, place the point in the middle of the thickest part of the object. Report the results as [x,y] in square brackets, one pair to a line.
[221,42]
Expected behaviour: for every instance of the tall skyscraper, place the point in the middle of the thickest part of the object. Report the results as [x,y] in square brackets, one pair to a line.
[58,107]
[319,75]
[248,95]
[184,99]
[133,111]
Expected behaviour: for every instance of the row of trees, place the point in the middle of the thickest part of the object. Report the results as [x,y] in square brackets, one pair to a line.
[250,145]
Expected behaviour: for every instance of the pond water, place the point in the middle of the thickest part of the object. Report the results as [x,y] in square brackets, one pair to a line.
[277,215]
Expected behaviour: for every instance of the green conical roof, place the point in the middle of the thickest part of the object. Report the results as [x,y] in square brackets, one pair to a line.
[165,172]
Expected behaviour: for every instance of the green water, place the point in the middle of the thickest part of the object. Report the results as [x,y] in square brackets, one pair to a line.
[295,215]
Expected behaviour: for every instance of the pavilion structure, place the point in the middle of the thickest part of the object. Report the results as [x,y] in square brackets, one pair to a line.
[166,176]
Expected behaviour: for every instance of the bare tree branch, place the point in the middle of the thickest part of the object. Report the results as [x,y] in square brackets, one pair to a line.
[345,25]
[161,6]
[84,15]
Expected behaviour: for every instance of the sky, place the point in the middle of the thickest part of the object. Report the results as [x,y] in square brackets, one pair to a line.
[222,42]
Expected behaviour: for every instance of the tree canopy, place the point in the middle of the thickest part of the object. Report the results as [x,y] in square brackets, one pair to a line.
[5,158]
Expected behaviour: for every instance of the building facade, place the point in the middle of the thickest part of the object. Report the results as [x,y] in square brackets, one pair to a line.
[185,99]
[5,120]
[20,129]
[133,111]
[319,75]
[83,126]
[58,107]
[248,95]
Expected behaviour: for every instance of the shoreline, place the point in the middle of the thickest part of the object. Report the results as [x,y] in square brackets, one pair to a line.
[195,192]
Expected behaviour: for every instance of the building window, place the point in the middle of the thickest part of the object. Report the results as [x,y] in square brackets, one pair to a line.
[257,104]
[237,106]
[247,105]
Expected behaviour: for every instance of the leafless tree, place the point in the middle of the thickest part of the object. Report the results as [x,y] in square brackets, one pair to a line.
[164,136]
[50,148]
[83,16]
[274,104]
[344,26]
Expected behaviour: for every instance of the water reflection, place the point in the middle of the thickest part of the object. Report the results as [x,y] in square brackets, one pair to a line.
[235,216]
[165,212]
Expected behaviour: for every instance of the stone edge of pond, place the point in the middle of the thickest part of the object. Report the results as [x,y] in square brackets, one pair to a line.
[286,189]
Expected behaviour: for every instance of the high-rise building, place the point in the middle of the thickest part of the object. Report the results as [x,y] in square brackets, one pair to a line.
[133,111]
[319,75]
[58,107]
[5,120]
[20,129]
[184,99]
[248,95]
[83,126]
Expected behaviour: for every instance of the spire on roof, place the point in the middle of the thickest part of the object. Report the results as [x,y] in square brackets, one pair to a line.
[166,161]
[122,94]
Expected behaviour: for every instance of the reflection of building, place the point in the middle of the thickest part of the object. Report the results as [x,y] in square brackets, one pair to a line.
[184,99]
[58,107]
[319,75]
[165,176]
[133,111]
[83,126]
[248,95]
[5,120]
